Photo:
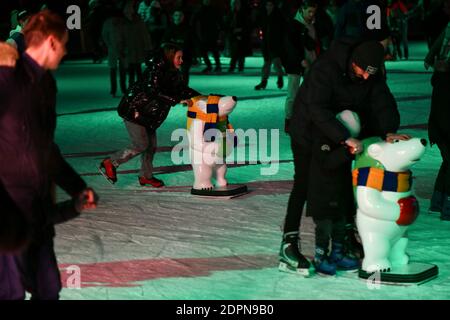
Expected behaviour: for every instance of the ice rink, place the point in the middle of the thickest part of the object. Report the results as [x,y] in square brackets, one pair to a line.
[144,243]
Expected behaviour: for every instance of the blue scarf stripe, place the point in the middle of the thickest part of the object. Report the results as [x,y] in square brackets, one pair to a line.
[212,108]
[363,175]
[390,182]
[192,114]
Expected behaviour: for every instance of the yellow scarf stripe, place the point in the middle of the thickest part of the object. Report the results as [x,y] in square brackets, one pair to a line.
[213,99]
[375,178]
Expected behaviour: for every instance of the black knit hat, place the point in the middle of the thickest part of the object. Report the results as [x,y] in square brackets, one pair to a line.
[368,56]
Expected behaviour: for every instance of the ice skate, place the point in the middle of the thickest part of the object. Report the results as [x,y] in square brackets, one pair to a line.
[291,260]
[343,261]
[154,182]
[261,85]
[108,170]
[322,263]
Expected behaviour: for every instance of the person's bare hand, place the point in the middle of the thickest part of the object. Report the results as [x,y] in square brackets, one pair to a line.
[87,199]
[391,137]
[355,145]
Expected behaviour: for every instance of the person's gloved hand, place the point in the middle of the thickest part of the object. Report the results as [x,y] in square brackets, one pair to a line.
[87,199]
[409,210]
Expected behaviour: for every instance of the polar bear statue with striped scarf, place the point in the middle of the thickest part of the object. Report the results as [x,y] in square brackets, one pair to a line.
[386,206]
[211,138]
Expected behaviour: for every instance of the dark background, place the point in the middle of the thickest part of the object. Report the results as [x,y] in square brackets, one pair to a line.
[77,46]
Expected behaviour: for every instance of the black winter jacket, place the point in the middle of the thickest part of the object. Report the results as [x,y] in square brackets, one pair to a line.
[29,159]
[330,190]
[295,40]
[207,24]
[273,27]
[328,90]
[239,29]
[438,129]
[148,102]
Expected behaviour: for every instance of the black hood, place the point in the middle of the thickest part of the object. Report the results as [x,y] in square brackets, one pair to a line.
[341,52]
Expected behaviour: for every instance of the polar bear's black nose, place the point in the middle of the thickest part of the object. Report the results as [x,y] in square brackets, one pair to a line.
[424,142]
[234,98]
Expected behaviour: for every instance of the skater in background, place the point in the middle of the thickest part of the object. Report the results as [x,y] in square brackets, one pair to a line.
[145,107]
[137,42]
[352,18]
[114,35]
[16,37]
[397,17]
[180,33]
[238,35]
[435,15]
[324,27]
[299,51]
[348,71]
[99,11]
[272,28]
[207,24]
[31,161]
[155,18]
[438,129]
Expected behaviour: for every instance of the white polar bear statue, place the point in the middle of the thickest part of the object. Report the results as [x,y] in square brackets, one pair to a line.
[211,138]
[386,206]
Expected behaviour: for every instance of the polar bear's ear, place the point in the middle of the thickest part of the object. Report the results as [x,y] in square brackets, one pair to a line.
[375,150]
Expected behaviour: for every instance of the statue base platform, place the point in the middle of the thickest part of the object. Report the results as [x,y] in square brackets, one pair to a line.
[414,273]
[227,192]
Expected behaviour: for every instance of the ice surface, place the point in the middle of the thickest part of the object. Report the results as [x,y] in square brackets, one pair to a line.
[143,243]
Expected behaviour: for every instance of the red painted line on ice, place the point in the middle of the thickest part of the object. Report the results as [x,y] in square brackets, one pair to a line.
[130,273]
[106,153]
[185,167]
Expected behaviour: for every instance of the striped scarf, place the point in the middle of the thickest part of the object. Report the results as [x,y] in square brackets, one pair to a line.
[382,180]
[210,118]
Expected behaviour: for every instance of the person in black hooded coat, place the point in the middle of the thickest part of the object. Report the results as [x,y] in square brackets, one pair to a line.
[344,77]
[145,106]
